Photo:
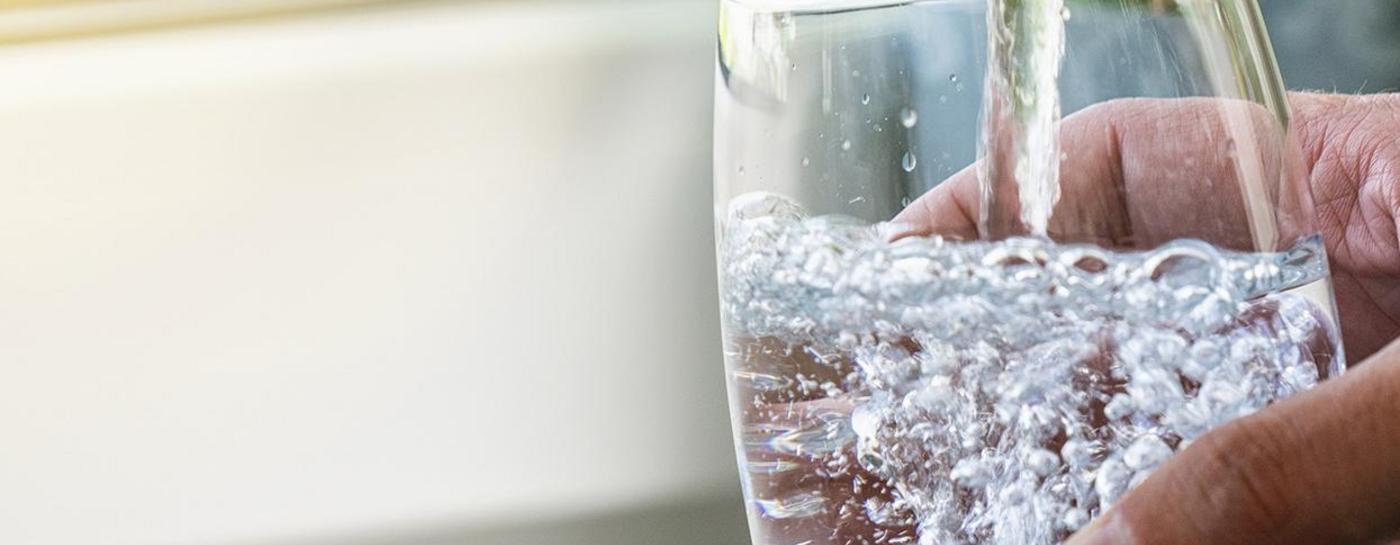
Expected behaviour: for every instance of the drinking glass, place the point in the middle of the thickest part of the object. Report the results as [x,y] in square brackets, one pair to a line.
[909,359]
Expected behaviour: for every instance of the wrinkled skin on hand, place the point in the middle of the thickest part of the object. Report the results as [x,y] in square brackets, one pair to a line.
[1141,172]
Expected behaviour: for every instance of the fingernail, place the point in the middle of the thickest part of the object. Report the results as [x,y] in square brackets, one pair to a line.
[1105,530]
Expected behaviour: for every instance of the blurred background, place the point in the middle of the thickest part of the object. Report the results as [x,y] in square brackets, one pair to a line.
[371,272]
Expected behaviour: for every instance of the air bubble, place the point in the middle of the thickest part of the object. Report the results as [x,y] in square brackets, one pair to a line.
[1042,462]
[908,117]
[1149,451]
[1074,519]
[970,473]
[991,391]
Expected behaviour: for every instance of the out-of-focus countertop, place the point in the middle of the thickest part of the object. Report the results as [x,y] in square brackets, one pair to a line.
[420,272]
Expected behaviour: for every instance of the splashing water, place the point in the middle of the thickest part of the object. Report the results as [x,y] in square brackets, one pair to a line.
[923,391]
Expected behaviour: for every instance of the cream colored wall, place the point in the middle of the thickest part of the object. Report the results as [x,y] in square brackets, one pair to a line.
[435,264]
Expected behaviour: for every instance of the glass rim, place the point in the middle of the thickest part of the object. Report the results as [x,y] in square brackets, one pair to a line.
[826,5]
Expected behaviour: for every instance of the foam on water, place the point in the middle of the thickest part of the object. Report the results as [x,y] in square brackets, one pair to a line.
[966,393]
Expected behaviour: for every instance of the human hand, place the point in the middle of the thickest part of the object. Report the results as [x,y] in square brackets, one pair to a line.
[1319,468]
[1143,172]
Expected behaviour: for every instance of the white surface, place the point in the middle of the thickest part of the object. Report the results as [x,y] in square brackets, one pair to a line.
[446,264]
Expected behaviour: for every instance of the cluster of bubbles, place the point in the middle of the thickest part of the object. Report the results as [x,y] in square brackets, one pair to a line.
[1006,392]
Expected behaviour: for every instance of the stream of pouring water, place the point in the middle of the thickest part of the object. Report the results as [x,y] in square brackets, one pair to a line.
[1026,42]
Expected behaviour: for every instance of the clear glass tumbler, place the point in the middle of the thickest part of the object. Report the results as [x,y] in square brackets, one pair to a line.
[909,359]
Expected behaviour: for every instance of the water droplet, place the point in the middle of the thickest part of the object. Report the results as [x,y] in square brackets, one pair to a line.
[846,145]
[741,170]
[855,73]
[953,78]
[806,161]
[942,99]
[879,129]
[865,99]
[910,162]
[794,67]
[1065,13]
[908,117]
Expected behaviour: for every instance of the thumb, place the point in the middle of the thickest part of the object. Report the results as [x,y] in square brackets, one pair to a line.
[1319,468]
